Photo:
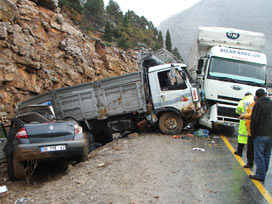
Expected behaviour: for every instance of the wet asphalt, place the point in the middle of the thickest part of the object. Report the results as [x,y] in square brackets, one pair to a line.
[234,181]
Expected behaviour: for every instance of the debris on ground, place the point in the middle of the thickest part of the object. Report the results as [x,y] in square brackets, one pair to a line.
[188,127]
[198,149]
[201,133]
[3,189]
[215,137]
[184,138]
[21,200]
[176,136]
[133,135]
[101,165]
[189,135]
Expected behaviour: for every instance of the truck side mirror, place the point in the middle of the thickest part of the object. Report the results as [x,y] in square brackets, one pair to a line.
[199,66]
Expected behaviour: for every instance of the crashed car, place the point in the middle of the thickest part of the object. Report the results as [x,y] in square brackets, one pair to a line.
[36,135]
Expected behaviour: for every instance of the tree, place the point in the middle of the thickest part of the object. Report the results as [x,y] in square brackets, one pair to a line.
[94,8]
[108,33]
[168,43]
[122,43]
[114,10]
[177,54]
[160,39]
[75,4]
[158,42]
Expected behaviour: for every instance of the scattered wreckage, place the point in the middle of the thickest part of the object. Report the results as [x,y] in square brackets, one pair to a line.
[160,93]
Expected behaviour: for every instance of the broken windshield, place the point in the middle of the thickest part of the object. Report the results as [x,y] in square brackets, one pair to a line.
[236,70]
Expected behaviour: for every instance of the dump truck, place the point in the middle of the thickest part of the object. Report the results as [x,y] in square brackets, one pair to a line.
[227,63]
[159,94]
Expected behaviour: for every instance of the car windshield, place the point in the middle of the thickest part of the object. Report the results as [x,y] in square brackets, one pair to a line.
[237,71]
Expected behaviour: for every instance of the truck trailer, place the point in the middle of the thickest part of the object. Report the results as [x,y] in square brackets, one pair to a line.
[227,63]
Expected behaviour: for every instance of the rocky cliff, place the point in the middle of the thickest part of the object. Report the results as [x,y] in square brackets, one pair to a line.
[41,50]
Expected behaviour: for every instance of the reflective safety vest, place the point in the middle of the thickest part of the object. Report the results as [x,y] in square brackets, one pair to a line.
[241,108]
[247,116]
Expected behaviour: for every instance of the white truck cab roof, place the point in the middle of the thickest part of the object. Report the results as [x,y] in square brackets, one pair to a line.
[165,66]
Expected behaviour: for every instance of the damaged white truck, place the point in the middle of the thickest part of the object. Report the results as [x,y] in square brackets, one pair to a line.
[227,63]
[158,92]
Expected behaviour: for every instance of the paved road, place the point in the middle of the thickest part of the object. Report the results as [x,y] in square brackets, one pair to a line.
[151,168]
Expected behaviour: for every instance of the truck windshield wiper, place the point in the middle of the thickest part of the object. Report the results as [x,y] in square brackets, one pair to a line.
[224,79]
[253,83]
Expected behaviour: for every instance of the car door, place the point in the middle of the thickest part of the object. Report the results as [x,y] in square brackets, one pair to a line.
[3,141]
[172,91]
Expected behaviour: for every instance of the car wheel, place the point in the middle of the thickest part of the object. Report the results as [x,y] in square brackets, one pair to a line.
[90,139]
[10,168]
[18,170]
[15,169]
[85,152]
[170,123]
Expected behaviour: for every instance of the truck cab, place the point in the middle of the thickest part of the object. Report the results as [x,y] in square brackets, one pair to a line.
[230,65]
[173,93]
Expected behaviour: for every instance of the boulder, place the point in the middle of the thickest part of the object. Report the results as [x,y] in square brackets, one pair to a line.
[8,10]
[3,31]
[100,47]
[51,4]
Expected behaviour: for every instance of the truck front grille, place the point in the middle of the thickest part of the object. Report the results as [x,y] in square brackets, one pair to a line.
[228,98]
[227,112]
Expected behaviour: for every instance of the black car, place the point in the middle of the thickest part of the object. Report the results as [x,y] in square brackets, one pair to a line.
[36,135]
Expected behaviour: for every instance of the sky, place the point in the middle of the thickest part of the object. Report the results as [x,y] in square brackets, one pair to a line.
[154,10]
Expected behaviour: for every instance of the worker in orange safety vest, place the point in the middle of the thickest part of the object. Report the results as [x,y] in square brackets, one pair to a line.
[250,146]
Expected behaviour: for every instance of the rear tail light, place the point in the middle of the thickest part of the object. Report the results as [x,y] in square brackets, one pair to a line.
[22,134]
[78,129]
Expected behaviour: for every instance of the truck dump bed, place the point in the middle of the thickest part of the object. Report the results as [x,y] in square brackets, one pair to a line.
[96,100]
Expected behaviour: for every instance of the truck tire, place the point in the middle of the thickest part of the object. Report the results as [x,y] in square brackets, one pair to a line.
[170,123]
[104,134]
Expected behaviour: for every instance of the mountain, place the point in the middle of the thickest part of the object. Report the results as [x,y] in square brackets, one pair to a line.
[249,15]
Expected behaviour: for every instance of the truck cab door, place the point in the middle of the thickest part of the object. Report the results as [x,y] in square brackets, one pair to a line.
[3,141]
[171,89]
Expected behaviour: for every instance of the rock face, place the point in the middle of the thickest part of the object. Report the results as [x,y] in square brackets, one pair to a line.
[40,50]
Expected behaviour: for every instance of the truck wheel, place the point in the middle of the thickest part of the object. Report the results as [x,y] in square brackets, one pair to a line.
[170,123]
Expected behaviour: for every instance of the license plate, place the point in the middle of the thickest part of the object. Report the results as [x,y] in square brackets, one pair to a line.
[53,148]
